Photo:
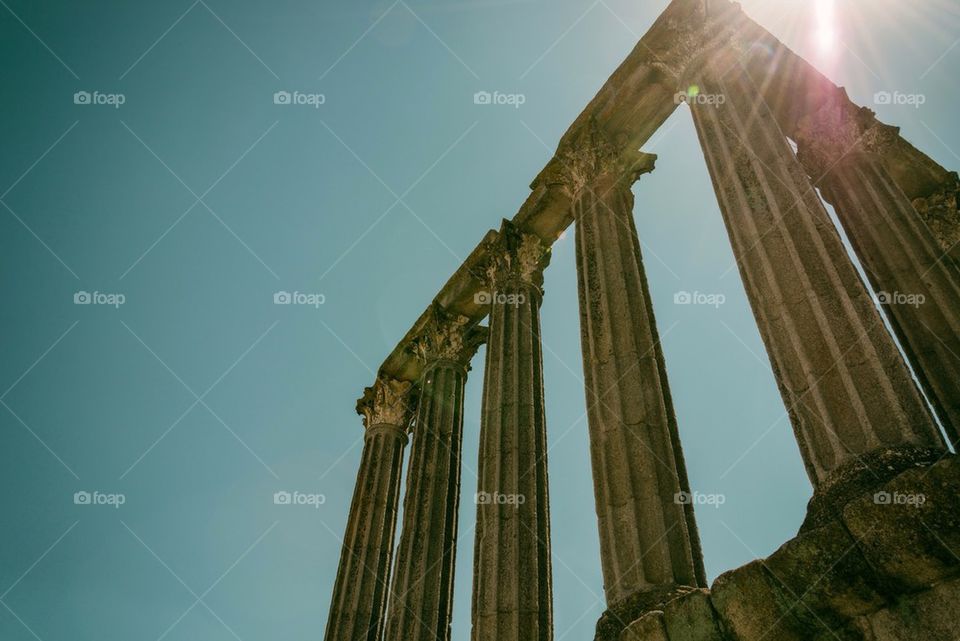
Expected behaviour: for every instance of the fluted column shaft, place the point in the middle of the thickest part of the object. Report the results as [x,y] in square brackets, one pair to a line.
[422,595]
[648,537]
[360,593]
[916,283]
[512,589]
[845,385]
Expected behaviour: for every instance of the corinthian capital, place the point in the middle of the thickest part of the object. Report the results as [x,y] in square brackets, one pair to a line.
[388,402]
[447,337]
[590,157]
[516,257]
[839,129]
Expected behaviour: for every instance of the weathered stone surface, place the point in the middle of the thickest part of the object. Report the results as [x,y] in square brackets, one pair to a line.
[845,384]
[751,607]
[649,627]
[691,617]
[512,586]
[647,536]
[863,476]
[826,572]
[909,528]
[620,615]
[930,615]
[422,591]
[358,606]
[916,283]
[939,211]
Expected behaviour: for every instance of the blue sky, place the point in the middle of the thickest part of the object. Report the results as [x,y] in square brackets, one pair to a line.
[198,198]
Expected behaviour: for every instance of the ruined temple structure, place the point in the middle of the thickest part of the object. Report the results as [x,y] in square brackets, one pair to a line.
[875,412]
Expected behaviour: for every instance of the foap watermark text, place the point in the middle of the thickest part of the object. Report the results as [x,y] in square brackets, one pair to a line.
[313,500]
[699,298]
[698,498]
[515,100]
[115,100]
[314,100]
[898,98]
[98,298]
[499,498]
[98,498]
[299,298]
[499,298]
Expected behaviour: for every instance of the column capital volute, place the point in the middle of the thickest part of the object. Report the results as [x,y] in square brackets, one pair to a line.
[514,258]
[840,130]
[447,339]
[389,402]
[590,157]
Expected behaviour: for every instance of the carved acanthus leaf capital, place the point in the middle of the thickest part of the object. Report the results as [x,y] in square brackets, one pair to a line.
[388,402]
[590,157]
[515,257]
[840,129]
[447,337]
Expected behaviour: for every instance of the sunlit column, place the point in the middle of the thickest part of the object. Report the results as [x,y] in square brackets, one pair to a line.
[648,536]
[357,610]
[917,284]
[422,595]
[512,583]
[845,385]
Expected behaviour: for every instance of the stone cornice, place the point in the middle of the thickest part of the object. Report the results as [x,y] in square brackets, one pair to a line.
[388,402]
[840,129]
[591,157]
[515,257]
[447,338]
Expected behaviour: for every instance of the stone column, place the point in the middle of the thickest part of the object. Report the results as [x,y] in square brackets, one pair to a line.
[422,595]
[358,607]
[512,585]
[648,535]
[917,284]
[845,385]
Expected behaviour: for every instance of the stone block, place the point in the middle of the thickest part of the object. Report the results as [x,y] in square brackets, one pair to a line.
[691,618]
[751,607]
[649,627]
[909,529]
[826,571]
[930,615]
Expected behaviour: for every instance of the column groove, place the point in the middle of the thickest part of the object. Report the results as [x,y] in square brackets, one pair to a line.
[918,286]
[647,527]
[422,595]
[358,606]
[825,338]
[512,575]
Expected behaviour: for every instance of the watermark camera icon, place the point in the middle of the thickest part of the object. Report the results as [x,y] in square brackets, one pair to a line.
[482,98]
[82,298]
[282,298]
[82,98]
[81,498]
[483,298]
[882,98]
[282,98]
[282,498]
[682,298]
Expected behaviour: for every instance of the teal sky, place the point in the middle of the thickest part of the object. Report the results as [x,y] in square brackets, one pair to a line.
[198,198]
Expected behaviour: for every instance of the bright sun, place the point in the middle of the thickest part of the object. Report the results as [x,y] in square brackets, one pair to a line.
[826,34]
